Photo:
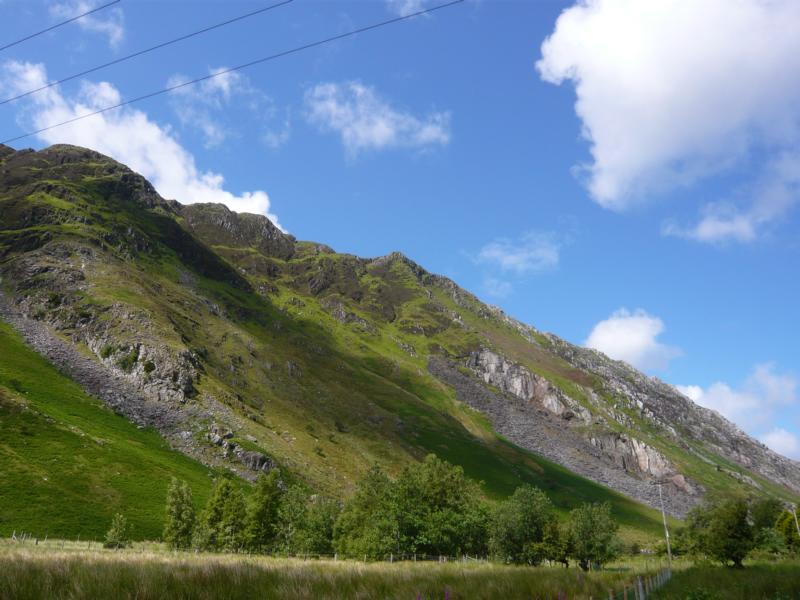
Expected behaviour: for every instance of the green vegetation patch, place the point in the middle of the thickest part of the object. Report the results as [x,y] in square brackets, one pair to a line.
[68,463]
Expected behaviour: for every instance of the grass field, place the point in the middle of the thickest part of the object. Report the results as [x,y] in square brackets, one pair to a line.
[760,581]
[147,573]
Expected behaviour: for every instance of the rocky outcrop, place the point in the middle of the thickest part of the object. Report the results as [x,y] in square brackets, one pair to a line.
[679,418]
[218,225]
[178,422]
[518,381]
[623,451]
[539,430]
[255,461]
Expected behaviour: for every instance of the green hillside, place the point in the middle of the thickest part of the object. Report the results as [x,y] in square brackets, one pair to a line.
[69,463]
[314,359]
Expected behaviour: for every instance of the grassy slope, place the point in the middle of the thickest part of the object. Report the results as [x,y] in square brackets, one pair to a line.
[69,463]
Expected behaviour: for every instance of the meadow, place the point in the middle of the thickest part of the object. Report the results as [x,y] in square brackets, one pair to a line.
[148,572]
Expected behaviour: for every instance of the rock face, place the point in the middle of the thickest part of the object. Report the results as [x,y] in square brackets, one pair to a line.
[238,230]
[680,418]
[535,428]
[520,382]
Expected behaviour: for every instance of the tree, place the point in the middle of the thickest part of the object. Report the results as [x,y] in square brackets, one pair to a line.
[518,526]
[764,512]
[221,524]
[367,525]
[438,510]
[231,536]
[593,531]
[557,542]
[787,528]
[180,521]
[730,535]
[321,515]
[262,516]
[119,535]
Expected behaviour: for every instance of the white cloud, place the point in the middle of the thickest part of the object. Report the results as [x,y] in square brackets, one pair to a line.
[754,403]
[535,251]
[406,7]
[109,22]
[776,192]
[206,106]
[632,337]
[127,135]
[365,121]
[782,442]
[669,91]
[497,288]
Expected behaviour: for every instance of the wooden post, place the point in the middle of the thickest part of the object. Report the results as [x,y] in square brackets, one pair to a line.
[624,592]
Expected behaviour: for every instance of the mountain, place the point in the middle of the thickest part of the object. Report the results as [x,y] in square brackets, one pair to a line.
[245,348]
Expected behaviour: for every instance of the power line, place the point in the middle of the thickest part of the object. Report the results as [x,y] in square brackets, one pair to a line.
[239,67]
[146,50]
[57,25]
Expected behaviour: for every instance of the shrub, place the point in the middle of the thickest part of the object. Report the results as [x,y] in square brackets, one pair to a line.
[118,536]
[127,362]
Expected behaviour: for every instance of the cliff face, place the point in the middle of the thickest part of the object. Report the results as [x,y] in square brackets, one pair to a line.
[247,348]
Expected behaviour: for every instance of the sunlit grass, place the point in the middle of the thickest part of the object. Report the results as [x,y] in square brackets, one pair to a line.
[148,571]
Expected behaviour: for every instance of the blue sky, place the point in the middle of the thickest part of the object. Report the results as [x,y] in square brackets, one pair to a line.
[630,185]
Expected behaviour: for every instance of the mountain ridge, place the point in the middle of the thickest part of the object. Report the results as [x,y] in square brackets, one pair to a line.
[294,354]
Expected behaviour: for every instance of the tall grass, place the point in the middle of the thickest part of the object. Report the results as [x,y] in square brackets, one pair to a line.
[146,574]
[760,581]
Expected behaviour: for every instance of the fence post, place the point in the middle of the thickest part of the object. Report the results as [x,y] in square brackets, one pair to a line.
[640,588]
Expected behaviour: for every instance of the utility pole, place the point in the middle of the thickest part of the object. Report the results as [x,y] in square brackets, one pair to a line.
[664,518]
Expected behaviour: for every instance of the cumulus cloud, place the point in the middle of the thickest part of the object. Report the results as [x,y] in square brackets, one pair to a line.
[109,22]
[128,135]
[535,251]
[782,442]
[633,337]
[670,91]
[755,402]
[366,121]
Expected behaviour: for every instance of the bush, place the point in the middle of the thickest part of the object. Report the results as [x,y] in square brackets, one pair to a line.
[118,536]
[127,362]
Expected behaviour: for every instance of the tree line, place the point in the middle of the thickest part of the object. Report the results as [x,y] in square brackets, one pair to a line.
[729,531]
[430,509]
